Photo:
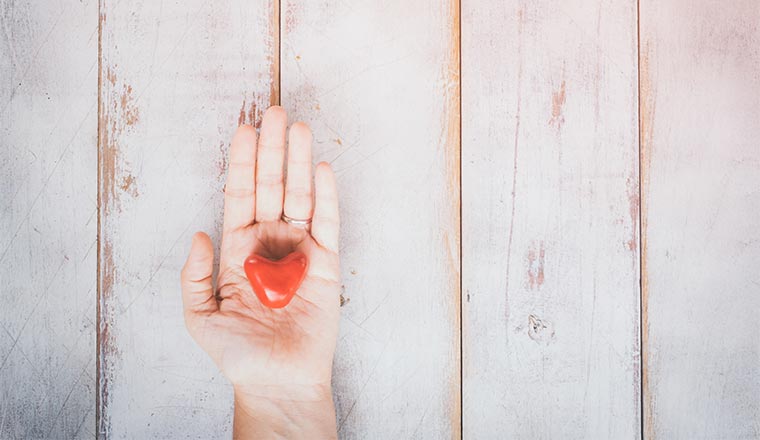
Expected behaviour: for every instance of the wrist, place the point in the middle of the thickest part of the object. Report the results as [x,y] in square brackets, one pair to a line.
[291,411]
[288,394]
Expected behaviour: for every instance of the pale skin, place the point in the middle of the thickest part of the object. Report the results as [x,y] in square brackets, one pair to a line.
[279,361]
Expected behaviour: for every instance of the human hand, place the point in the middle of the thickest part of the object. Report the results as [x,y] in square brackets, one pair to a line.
[278,360]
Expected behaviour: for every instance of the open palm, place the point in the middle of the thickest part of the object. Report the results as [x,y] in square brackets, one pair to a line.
[257,347]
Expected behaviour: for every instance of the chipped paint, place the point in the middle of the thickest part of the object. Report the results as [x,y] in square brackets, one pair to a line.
[222,160]
[558,102]
[633,211]
[292,11]
[647,97]
[250,113]
[273,56]
[452,140]
[119,114]
[243,50]
[536,258]
[128,185]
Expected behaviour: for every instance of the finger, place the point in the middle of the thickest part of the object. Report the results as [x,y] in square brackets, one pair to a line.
[197,288]
[298,195]
[239,191]
[325,224]
[271,154]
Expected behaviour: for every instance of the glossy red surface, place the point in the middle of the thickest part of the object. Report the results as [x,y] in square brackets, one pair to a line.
[275,282]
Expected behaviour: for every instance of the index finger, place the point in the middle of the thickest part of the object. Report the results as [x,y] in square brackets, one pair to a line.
[240,189]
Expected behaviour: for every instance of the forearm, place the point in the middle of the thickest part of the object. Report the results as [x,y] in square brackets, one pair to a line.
[291,414]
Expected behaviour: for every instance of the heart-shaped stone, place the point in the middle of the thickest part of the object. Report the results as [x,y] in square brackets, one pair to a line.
[275,282]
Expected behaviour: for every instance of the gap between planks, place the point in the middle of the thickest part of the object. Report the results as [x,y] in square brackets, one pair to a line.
[98,233]
[644,426]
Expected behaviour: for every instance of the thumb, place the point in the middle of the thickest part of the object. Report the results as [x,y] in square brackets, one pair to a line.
[196,277]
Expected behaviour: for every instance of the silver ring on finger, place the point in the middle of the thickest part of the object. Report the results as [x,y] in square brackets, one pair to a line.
[299,223]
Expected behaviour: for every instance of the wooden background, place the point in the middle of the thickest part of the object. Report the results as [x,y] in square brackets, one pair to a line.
[551,210]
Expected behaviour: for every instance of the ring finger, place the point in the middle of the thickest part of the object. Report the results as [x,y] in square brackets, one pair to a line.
[298,187]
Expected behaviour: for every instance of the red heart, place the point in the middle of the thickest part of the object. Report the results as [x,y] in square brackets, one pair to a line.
[275,282]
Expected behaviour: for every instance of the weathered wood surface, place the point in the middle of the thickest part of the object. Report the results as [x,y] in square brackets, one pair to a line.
[176,78]
[550,220]
[551,122]
[700,122]
[48,124]
[378,82]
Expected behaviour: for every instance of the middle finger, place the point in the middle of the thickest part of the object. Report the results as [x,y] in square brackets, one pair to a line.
[271,154]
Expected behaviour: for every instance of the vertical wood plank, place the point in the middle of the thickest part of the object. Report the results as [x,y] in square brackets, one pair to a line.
[378,82]
[48,124]
[700,125]
[176,79]
[550,220]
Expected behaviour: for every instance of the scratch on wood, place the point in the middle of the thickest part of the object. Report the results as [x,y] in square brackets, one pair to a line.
[369,377]
[520,23]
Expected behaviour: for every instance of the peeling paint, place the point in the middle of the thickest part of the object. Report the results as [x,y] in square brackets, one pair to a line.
[128,185]
[647,98]
[452,140]
[222,160]
[536,260]
[558,102]
[119,114]
[292,12]
[250,113]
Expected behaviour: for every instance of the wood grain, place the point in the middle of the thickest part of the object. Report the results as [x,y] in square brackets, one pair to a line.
[700,125]
[176,79]
[550,220]
[379,85]
[48,124]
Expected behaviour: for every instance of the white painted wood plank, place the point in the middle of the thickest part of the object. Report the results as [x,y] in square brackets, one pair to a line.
[176,80]
[700,116]
[48,167]
[378,82]
[550,220]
